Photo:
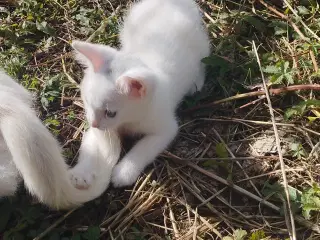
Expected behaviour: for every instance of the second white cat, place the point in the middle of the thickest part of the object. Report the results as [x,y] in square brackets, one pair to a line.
[28,150]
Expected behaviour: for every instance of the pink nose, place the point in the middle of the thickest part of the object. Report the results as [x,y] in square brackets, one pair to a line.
[94,124]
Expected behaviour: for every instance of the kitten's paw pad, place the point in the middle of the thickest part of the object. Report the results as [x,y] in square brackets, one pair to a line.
[81,179]
[124,175]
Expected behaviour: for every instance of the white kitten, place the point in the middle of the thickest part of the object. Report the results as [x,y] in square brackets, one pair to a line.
[28,149]
[138,87]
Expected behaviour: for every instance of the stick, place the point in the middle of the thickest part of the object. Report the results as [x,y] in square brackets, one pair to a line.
[292,231]
[274,91]
[67,74]
[103,25]
[251,158]
[233,156]
[45,232]
[302,22]
[299,219]
[243,121]
[173,220]
[294,26]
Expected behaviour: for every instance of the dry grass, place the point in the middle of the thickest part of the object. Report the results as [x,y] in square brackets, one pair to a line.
[214,178]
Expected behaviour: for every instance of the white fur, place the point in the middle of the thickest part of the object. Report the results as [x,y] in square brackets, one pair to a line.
[163,42]
[28,149]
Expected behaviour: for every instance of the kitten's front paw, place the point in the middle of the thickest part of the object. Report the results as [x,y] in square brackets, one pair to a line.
[124,174]
[81,178]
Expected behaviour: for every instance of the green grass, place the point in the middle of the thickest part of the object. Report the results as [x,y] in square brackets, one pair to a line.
[179,201]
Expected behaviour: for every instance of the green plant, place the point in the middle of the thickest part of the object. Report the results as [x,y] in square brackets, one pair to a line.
[297,150]
[276,192]
[238,234]
[280,73]
[301,108]
[310,200]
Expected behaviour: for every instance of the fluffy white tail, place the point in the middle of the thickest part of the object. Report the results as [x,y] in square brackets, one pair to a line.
[37,156]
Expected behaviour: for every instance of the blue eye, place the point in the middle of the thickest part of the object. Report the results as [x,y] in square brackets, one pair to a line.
[110,114]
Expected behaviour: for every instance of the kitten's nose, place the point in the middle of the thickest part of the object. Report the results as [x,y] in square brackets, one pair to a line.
[95,124]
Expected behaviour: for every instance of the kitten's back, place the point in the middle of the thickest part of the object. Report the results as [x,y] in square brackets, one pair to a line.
[162,23]
[169,36]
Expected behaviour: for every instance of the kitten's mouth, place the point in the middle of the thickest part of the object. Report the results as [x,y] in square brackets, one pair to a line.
[102,127]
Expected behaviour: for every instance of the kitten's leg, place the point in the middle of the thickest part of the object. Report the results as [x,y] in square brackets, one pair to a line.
[143,153]
[83,174]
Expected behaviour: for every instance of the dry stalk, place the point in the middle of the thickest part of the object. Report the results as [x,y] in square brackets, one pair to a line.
[52,226]
[173,220]
[295,27]
[184,182]
[302,22]
[244,121]
[270,173]
[273,91]
[253,158]
[233,156]
[67,74]
[203,220]
[143,204]
[103,25]
[8,2]
[131,202]
[301,220]
[292,230]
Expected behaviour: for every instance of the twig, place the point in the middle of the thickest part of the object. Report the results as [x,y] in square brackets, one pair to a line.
[249,103]
[103,25]
[233,156]
[293,56]
[270,173]
[243,121]
[235,187]
[195,229]
[314,61]
[203,220]
[173,220]
[79,130]
[294,26]
[67,74]
[253,158]
[56,223]
[314,151]
[292,231]
[114,218]
[273,91]
[302,22]
[78,103]
[301,220]
[209,205]
[8,2]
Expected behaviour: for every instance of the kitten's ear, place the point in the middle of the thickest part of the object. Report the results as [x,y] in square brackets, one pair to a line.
[92,55]
[132,87]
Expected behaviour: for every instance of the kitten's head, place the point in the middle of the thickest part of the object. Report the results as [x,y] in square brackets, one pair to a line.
[115,87]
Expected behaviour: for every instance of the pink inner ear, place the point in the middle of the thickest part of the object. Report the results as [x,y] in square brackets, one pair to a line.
[94,57]
[136,87]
